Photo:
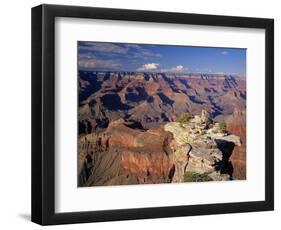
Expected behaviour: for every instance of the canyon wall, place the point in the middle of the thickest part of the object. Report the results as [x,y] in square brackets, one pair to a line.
[129,133]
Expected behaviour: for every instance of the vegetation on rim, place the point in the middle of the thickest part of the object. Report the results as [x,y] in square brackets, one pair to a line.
[196,177]
[183,118]
[222,126]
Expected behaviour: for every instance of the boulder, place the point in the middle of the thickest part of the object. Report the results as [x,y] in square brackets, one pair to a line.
[206,117]
[231,138]
[196,119]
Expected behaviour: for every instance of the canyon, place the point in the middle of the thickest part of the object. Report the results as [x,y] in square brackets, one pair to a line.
[128,132]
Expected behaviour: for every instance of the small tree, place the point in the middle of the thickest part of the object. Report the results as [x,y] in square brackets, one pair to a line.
[222,126]
[183,118]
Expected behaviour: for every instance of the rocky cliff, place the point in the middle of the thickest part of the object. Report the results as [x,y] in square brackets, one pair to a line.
[236,124]
[125,155]
[154,98]
[201,146]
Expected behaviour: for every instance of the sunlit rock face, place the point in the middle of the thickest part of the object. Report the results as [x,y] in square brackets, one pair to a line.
[236,124]
[200,146]
[124,155]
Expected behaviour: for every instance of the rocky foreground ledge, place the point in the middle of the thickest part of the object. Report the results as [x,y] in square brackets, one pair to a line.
[201,146]
[196,149]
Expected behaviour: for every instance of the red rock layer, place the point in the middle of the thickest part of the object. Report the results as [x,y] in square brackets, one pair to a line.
[238,156]
[123,155]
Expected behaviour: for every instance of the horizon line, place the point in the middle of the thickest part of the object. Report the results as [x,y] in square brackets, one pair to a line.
[155,72]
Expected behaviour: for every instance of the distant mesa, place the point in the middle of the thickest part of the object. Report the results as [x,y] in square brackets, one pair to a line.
[145,97]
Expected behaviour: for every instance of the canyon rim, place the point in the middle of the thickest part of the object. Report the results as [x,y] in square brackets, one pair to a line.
[151,114]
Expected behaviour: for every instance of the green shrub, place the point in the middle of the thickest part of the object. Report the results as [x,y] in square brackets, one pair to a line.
[209,146]
[222,126]
[196,177]
[183,118]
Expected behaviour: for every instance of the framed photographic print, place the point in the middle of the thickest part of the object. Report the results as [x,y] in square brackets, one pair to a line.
[142,114]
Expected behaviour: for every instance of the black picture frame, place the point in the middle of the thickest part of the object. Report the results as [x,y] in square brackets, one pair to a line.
[43,114]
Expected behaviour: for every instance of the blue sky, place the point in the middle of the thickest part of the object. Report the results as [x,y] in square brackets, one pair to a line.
[99,56]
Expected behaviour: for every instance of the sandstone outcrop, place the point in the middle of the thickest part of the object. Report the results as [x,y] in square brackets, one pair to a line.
[200,146]
[125,155]
[236,124]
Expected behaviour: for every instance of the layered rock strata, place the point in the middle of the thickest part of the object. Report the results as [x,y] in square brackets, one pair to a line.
[200,146]
[125,155]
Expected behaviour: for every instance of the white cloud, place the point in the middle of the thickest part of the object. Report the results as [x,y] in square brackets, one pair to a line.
[179,67]
[148,66]
[103,47]
[86,56]
[99,64]
[111,49]
[144,54]
[176,69]
[135,46]
[155,67]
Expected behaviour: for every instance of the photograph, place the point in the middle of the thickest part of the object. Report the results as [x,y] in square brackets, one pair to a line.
[153,114]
